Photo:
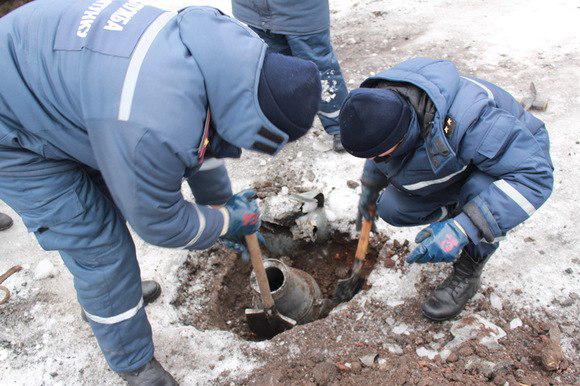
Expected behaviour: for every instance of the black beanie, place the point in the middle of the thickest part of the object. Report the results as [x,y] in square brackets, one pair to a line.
[372,121]
[289,93]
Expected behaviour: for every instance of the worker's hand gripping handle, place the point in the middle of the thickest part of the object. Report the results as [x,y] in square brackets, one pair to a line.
[258,265]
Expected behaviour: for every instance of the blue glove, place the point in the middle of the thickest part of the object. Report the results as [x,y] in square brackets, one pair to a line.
[367,206]
[240,246]
[439,242]
[244,219]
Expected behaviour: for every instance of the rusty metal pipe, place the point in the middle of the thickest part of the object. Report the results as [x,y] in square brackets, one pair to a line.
[296,293]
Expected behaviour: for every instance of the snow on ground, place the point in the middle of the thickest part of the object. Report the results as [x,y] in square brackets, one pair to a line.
[43,340]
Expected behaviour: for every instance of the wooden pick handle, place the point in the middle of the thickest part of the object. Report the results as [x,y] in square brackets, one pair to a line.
[363,240]
[258,265]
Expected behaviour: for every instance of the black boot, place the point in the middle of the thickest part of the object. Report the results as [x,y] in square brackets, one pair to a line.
[5,221]
[451,296]
[151,291]
[152,374]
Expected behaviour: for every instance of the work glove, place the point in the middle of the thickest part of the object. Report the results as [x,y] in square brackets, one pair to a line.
[439,242]
[367,206]
[244,219]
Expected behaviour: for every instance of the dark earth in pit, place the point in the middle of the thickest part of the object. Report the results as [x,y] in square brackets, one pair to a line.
[327,263]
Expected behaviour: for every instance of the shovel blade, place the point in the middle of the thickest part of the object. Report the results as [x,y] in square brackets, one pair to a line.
[347,288]
[268,323]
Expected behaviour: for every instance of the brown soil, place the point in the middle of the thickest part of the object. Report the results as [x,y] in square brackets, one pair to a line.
[329,352]
[10,5]
[326,263]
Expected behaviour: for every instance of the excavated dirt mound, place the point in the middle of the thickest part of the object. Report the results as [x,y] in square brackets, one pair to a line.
[370,342]
[374,344]
[228,293]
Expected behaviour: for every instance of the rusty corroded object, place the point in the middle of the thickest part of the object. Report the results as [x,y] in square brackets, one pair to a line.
[295,293]
[5,276]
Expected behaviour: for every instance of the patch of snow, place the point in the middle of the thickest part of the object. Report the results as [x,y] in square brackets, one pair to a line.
[515,323]
[425,352]
[45,269]
[495,301]
[470,327]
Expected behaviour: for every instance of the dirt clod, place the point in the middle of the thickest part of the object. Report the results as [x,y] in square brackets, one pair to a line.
[352,184]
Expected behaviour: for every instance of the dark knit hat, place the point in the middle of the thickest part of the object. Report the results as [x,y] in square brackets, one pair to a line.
[289,93]
[372,121]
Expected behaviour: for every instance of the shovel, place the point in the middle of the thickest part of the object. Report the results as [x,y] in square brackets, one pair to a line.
[266,322]
[347,288]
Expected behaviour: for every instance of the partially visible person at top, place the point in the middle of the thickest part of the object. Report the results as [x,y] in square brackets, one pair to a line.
[301,28]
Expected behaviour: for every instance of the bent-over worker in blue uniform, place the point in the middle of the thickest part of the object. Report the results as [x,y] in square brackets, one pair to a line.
[301,28]
[456,152]
[105,107]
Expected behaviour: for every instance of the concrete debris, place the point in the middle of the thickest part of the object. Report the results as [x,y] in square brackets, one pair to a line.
[281,209]
[311,227]
[368,360]
[474,327]
[45,269]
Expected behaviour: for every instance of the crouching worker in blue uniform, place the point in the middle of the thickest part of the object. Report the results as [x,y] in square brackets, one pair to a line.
[455,152]
[105,107]
[301,28]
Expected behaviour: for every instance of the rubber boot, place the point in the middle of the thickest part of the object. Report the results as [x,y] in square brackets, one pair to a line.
[151,291]
[152,374]
[451,296]
[337,143]
[5,221]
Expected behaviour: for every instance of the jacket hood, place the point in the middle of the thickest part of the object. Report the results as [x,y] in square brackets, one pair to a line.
[441,81]
[230,59]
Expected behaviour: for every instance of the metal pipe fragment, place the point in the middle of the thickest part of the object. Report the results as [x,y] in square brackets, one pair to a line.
[296,293]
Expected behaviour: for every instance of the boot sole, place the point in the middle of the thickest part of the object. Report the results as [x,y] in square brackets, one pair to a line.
[434,319]
[6,227]
[153,296]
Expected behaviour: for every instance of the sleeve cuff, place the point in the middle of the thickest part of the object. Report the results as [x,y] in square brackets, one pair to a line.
[211,226]
[468,227]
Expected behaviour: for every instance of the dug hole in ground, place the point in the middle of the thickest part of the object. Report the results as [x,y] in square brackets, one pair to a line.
[522,328]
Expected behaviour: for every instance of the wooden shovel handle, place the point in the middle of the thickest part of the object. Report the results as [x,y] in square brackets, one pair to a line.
[363,240]
[258,265]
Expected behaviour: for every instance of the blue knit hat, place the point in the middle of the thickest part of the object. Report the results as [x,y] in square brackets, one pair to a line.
[372,121]
[289,93]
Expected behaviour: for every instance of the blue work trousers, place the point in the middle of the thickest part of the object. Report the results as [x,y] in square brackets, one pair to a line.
[318,49]
[401,209]
[68,208]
